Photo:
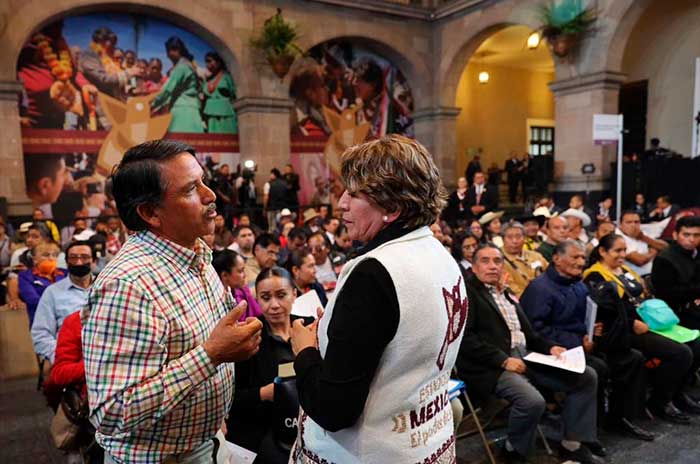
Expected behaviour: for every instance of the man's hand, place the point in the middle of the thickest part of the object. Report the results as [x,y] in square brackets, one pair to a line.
[557,350]
[514,365]
[640,328]
[587,344]
[598,329]
[267,393]
[302,336]
[233,341]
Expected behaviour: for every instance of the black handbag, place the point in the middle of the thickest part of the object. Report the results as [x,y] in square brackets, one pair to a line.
[612,313]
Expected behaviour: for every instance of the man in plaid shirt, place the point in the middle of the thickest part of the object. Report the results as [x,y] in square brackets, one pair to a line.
[160,333]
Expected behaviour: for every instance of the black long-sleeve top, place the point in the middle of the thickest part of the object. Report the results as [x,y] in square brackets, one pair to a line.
[333,390]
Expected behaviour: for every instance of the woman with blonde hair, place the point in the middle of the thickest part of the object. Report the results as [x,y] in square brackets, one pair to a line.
[384,348]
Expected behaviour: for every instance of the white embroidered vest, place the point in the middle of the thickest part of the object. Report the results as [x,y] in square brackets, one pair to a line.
[407,417]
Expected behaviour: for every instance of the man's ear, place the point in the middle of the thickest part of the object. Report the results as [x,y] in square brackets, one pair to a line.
[43,186]
[149,214]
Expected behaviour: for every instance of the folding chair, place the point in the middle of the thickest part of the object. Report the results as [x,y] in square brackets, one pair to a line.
[473,413]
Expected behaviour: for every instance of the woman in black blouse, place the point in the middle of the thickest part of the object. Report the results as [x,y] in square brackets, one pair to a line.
[250,422]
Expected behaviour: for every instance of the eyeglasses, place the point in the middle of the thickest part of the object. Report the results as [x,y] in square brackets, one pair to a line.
[79,257]
[318,248]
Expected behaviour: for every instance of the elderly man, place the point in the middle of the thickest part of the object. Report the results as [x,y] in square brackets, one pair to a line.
[521,265]
[496,338]
[62,299]
[159,331]
[555,303]
[676,272]
[557,229]
[578,223]
[641,249]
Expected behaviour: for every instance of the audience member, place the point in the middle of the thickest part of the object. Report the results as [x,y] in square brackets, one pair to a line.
[45,271]
[547,201]
[577,203]
[78,227]
[330,226]
[532,225]
[603,229]
[256,409]
[675,359]
[230,267]
[640,207]
[520,265]
[456,210]
[641,249]
[276,198]
[243,241]
[296,240]
[62,299]
[223,237]
[5,246]
[481,198]
[477,231]
[38,216]
[343,243]
[302,266]
[293,187]
[605,210]
[491,222]
[496,338]
[664,209]
[311,219]
[266,250]
[325,272]
[675,273]
[578,223]
[557,229]
[513,169]
[473,167]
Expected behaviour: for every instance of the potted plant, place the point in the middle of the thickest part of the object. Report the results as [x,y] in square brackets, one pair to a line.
[277,41]
[563,24]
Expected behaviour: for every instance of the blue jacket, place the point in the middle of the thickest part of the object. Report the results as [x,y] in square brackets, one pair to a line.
[556,307]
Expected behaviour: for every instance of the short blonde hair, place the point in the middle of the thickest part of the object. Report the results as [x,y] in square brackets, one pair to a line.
[398,174]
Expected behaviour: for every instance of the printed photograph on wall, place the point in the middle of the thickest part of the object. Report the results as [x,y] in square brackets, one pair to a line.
[344,94]
[96,84]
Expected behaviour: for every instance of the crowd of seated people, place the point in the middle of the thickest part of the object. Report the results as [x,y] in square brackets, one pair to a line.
[530,280]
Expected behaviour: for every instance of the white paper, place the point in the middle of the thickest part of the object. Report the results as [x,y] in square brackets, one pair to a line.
[591,314]
[306,304]
[573,360]
[238,454]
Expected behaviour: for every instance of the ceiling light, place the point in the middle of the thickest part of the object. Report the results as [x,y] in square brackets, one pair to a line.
[249,164]
[483,77]
[533,40]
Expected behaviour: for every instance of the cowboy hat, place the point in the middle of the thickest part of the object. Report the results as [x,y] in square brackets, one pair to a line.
[310,214]
[539,218]
[490,216]
[543,211]
[585,218]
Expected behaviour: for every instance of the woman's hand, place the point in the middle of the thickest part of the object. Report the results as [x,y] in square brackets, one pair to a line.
[557,351]
[267,393]
[598,329]
[640,327]
[302,336]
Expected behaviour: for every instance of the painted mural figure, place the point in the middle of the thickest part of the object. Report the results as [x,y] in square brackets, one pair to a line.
[310,95]
[220,92]
[180,93]
[100,67]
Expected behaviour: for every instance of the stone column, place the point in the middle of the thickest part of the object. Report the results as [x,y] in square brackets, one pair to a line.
[11,158]
[436,128]
[263,125]
[576,101]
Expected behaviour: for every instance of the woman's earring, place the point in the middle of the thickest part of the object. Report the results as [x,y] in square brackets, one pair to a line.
[385,218]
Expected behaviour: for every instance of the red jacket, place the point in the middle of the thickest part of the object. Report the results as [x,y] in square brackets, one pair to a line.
[69,367]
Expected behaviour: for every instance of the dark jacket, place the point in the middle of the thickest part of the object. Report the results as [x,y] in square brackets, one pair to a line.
[278,195]
[676,277]
[250,417]
[556,307]
[486,342]
[489,199]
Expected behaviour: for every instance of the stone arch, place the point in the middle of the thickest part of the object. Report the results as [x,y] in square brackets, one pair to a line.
[626,14]
[191,17]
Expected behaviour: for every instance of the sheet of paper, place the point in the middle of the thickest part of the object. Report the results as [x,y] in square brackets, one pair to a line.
[655,229]
[286,370]
[306,304]
[239,454]
[573,360]
[591,314]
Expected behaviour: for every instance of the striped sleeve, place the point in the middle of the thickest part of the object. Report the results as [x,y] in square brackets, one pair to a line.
[130,382]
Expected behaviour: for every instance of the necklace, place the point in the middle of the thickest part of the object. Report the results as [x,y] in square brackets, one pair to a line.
[212,84]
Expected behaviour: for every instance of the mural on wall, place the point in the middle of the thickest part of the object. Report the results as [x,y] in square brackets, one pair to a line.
[96,84]
[345,94]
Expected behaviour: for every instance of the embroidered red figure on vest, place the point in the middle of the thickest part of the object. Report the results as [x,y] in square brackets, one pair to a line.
[456,318]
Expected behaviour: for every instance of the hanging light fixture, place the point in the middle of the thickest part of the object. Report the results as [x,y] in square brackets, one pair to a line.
[484,77]
[533,40]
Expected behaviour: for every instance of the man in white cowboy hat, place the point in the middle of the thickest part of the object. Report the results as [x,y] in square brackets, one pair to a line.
[311,225]
[491,223]
[578,222]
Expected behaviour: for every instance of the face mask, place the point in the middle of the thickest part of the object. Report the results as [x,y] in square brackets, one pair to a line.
[79,270]
[48,267]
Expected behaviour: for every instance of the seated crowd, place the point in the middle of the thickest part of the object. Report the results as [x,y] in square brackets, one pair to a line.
[531,281]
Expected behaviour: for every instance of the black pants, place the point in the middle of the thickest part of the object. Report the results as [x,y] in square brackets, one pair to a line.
[668,377]
[628,380]
[513,182]
[690,317]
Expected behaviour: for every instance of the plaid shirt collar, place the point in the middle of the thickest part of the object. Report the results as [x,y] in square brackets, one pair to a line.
[179,255]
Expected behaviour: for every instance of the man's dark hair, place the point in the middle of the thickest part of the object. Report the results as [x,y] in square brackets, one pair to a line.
[265,240]
[237,230]
[138,179]
[665,198]
[484,246]
[687,221]
[104,33]
[76,243]
[276,172]
[36,167]
[295,233]
[224,260]
[627,213]
[324,237]
[296,259]
[42,228]
[655,142]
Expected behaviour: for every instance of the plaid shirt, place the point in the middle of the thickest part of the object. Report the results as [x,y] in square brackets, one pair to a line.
[153,390]
[510,314]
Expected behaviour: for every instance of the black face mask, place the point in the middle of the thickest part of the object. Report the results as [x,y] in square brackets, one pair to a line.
[79,270]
